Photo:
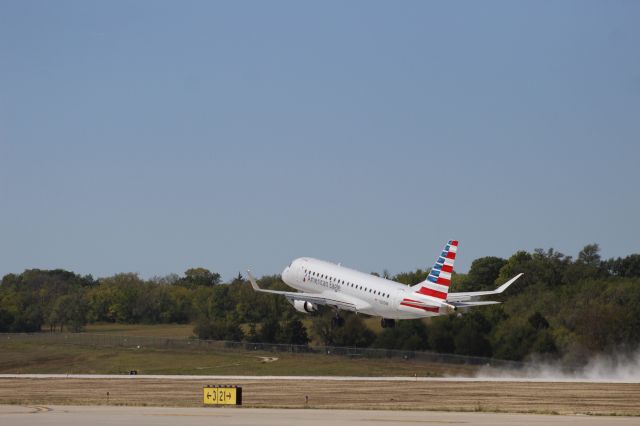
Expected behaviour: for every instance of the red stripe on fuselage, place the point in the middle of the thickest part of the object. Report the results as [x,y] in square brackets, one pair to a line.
[424,308]
[433,293]
[447,268]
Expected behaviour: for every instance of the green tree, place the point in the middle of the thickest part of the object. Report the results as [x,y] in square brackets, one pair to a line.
[590,255]
[441,334]
[538,322]
[411,335]
[196,277]
[544,344]
[587,266]
[543,267]
[600,327]
[484,272]
[253,336]
[514,339]
[270,330]
[323,327]
[470,334]
[6,319]
[624,267]
[124,295]
[353,333]
[294,333]
[218,329]
[68,311]
[411,278]
[469,340]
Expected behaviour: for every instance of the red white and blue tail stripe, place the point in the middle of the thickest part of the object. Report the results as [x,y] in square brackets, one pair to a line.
[439,279]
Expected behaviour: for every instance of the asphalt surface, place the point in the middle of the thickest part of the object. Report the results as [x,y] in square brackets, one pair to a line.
[549,379]
[152,416]
[382,396]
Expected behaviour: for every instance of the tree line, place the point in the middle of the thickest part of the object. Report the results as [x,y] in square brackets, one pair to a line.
[561,307]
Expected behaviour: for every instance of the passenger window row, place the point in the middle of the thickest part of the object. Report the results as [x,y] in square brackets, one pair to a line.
[348,284]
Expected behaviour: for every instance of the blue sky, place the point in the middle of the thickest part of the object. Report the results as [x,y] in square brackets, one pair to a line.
[154,136]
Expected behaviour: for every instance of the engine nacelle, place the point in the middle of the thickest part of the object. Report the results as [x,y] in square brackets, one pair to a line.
[303,306]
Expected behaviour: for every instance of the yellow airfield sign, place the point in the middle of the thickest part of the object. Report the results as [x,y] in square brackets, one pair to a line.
[222,395]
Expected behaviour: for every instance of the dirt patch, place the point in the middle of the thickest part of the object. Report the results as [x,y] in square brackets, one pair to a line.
[525,397]
[43,361]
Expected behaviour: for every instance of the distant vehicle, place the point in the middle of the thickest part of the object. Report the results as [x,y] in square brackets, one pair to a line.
[325,283]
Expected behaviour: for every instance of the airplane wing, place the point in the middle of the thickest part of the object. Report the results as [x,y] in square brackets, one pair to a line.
[316,299]
[469,298]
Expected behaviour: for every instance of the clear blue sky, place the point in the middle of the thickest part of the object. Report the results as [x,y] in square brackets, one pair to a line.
[152,136]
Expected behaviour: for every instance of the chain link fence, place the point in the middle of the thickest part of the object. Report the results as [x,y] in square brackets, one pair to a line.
[138,342]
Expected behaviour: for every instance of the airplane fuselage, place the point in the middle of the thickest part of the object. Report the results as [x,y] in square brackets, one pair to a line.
[325,283]
[370,294]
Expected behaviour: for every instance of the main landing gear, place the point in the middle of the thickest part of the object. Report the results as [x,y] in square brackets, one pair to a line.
[387,323]
[337,321]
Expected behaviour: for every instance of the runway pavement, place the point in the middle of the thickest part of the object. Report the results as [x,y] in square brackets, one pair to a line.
[602,399]
[152,416]
[548,379]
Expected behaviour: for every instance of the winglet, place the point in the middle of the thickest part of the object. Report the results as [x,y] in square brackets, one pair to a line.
[253,282]
[504,286]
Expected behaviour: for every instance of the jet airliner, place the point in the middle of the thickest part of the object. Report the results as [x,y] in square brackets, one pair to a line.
[325,283]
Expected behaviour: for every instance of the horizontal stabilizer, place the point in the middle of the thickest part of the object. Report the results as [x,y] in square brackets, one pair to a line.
[472,303]
[467,296]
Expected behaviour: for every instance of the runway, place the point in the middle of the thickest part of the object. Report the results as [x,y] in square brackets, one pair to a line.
[543,379]
[153,416]
[602,399]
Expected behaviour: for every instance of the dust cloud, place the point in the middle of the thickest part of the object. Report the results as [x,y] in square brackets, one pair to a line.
[616,368]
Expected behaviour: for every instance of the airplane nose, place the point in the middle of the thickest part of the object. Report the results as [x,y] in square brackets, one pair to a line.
[285,274]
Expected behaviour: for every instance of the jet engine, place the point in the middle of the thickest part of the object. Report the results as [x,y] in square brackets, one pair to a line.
[303,306]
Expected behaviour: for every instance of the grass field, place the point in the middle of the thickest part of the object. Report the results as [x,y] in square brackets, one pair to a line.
[40,357]
[175,331]
[59,357]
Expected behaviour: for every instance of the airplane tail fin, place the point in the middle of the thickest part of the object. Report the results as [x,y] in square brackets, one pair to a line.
[439,279]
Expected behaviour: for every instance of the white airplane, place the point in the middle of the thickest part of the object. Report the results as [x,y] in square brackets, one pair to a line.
[325,283]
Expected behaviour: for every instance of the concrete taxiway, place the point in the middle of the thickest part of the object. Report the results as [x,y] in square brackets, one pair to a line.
[154,416]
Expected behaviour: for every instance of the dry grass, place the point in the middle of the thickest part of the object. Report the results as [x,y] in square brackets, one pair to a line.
[546,398]
[45,357]
[175,331]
